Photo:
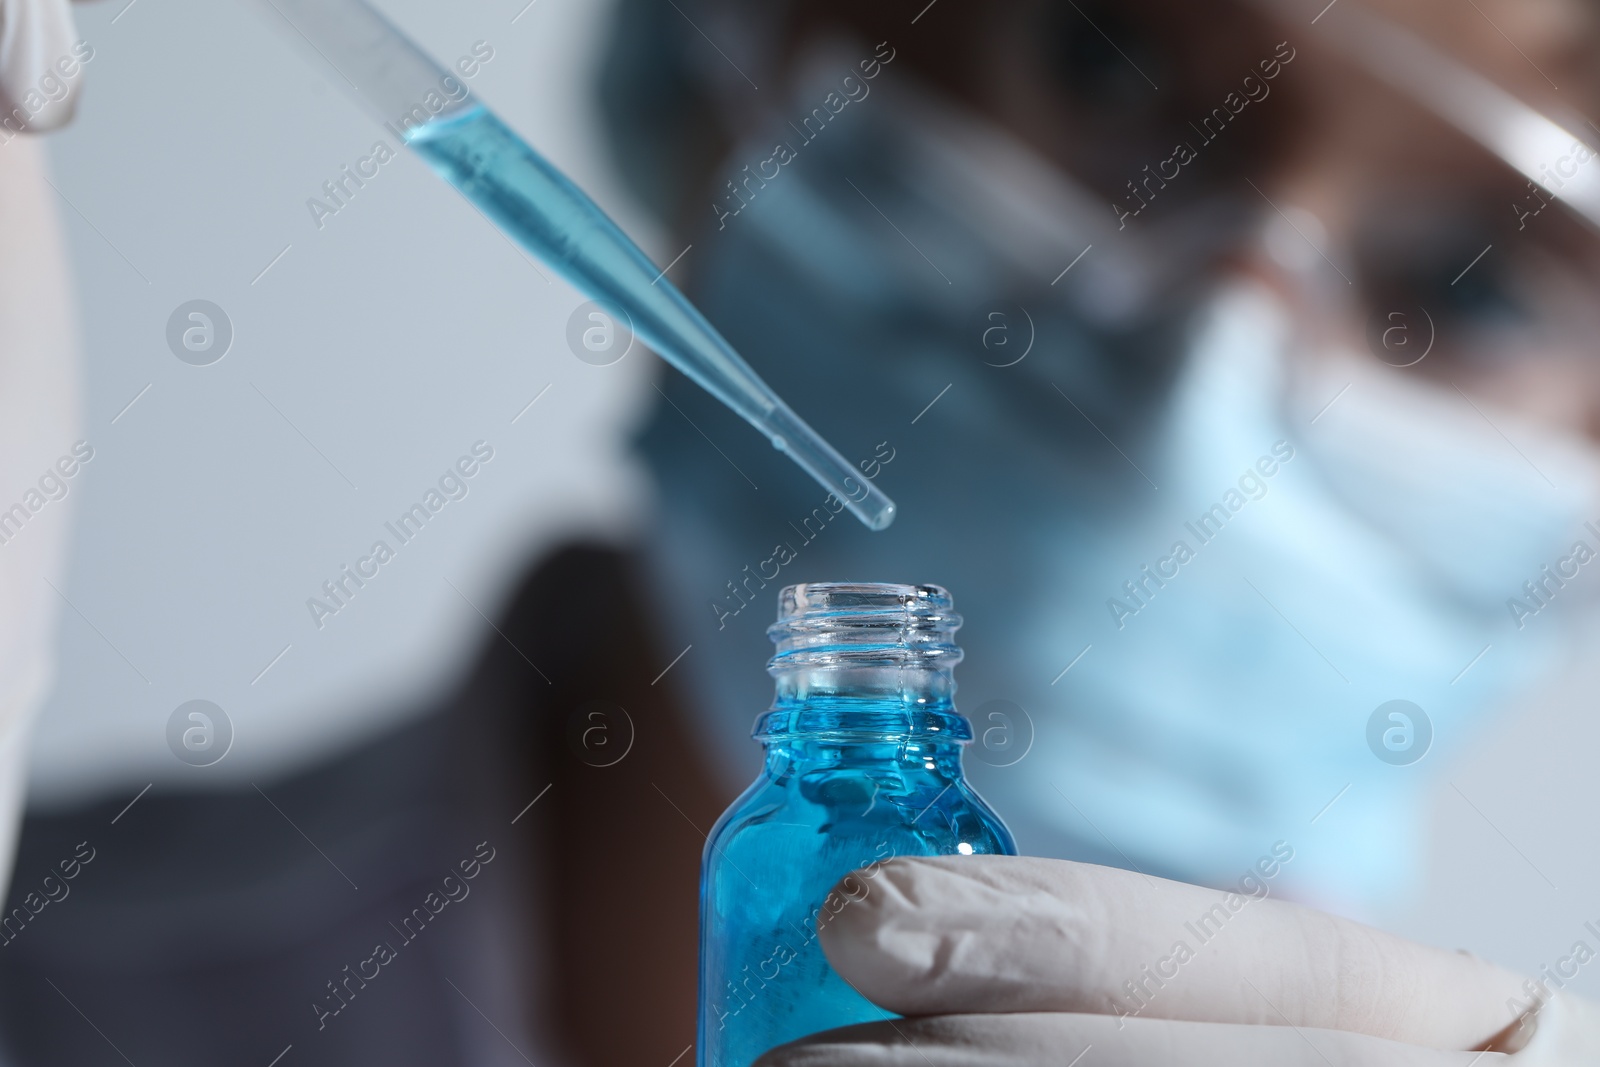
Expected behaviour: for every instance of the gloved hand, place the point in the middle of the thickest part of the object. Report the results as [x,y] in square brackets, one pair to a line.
[40,69]
[40,65]
[1015,960]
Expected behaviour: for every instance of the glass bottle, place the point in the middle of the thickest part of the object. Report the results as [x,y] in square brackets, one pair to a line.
[863,763]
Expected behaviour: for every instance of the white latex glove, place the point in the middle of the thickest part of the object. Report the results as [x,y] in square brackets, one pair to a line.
[40,67]
[38,377]
[1015,960]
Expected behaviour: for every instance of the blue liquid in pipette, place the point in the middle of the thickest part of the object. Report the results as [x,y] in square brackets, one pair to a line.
[538,206]
[548,215]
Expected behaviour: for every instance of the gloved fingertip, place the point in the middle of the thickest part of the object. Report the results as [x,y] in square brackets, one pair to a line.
[795,1055]
[58,114]
[893,929]
[41,65]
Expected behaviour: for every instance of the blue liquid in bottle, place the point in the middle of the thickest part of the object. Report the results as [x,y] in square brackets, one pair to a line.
[863,763]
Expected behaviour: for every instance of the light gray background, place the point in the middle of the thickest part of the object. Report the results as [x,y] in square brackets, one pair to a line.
[392,339]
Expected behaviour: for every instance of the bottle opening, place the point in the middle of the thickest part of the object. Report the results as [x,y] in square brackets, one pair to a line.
[864,647]
[823,625]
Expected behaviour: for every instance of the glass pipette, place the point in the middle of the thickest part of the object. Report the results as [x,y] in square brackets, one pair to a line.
[542,210]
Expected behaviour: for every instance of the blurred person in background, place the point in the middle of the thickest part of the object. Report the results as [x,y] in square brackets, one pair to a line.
[1233,391]
[1257,216]
[1079,284]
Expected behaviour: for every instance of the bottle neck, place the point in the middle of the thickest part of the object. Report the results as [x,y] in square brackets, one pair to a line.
[863,665]
[865,686]
[864,706]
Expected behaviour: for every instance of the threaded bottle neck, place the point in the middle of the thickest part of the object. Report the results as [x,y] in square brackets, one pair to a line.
[864,657]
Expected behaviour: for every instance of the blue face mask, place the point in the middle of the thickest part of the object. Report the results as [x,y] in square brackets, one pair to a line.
[1186,599]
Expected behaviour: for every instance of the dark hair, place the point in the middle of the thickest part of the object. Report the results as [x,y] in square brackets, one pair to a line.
[1114,86]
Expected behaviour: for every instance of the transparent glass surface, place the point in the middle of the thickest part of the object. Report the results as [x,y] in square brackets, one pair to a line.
[863,763]
[542,210]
